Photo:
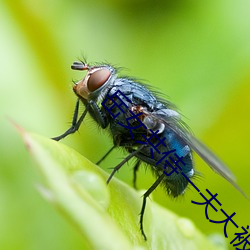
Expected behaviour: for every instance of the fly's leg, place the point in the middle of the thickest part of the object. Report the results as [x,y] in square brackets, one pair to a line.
[105,155]
[124,161]
[145,196]
[135,169]
[98,114]
[75,124]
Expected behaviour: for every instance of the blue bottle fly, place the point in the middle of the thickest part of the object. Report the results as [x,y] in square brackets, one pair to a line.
[148,127]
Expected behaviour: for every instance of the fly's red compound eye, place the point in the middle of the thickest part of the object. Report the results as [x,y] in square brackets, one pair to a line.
[97,79]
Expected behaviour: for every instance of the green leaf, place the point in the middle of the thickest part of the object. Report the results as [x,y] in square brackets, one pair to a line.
[107,215]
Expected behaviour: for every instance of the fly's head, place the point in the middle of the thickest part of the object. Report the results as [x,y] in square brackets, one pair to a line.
[97,79]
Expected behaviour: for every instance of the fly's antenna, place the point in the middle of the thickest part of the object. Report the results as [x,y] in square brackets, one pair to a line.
[80,66]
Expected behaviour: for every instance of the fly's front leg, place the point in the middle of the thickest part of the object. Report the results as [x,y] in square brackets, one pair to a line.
[99,116]
[75,124]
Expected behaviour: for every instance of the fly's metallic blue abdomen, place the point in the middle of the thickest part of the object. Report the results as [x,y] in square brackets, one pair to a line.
[175,183]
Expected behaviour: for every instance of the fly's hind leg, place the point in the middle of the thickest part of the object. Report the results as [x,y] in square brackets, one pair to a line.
[135,169]
[145,196]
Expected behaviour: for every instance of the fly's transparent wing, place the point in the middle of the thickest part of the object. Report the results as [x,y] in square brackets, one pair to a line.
[176,125]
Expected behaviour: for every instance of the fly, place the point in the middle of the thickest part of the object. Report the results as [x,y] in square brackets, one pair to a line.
[144,125]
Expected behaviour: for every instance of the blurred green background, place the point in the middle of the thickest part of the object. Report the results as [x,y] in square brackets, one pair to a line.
[195,52]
